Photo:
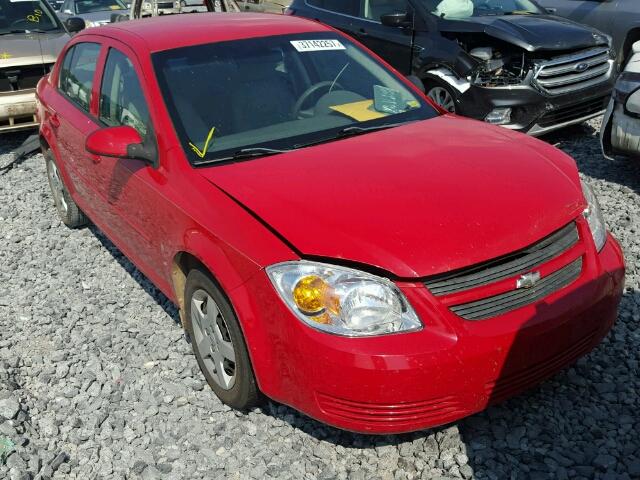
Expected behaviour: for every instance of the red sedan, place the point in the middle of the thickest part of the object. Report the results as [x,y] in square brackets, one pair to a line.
[332,240]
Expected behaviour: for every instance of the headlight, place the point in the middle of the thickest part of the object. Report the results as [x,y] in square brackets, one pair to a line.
[341,300]
[594,217]
[90,24]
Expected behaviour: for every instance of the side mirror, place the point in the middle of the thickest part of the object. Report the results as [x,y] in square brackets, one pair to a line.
[121,142]
[74,24]
[396,19]
[417,82]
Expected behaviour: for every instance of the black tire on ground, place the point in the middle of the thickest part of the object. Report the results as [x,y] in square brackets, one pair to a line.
[68,210]
[244,393]
[438,90]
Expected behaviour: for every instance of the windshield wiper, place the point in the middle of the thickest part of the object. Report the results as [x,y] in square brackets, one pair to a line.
[245,153]
[352,132]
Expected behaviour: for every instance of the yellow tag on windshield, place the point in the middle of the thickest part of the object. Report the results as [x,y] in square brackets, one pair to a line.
[203,152]
[360,111]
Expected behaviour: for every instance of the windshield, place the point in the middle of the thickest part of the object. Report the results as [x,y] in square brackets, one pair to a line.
[89,6]
[476,8]
[20,16]
[279,92]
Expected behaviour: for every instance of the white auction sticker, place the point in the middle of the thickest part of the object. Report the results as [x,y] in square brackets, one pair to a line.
[317,45]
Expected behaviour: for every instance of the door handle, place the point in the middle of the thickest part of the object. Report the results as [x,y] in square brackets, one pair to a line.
[362,32]
[551,10]
[54,120]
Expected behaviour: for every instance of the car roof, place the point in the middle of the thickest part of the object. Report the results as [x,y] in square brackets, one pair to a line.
[174,31]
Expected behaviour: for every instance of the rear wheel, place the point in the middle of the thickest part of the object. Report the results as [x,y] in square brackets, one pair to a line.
[68,211]
[442,94]
[218,343]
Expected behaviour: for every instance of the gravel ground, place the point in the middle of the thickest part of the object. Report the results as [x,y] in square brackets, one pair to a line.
[96,380]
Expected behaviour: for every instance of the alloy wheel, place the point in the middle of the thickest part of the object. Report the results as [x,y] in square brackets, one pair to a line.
[57,188]
[212,340]
[442,97]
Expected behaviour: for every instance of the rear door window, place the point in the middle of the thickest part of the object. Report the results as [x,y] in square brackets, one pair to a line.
[76,75]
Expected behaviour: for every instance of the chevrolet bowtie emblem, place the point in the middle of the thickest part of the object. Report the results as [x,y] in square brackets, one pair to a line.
[528,280]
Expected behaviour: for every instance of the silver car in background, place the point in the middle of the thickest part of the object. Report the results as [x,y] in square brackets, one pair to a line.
[31,37]
[93,12]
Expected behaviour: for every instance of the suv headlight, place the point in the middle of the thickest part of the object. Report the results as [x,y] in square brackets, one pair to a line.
[594,217]
[342,300]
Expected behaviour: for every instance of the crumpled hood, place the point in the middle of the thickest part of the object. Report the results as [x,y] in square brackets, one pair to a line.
[31,48]
[530,32]
[416,200]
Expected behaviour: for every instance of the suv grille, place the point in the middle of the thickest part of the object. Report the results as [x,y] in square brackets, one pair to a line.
[506,302]
[22,77]
[505,267]
[573,72]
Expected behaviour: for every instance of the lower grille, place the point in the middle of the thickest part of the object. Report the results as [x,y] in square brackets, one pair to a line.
[570,73]
[22,77]
[432,412]
[573,112]
[506,302]
[509,385]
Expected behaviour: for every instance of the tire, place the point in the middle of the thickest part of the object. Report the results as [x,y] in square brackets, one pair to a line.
[437,90]
[68,210]
[215,335]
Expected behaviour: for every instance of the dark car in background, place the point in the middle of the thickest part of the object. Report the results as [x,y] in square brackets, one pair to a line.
[506,62]
[618,18]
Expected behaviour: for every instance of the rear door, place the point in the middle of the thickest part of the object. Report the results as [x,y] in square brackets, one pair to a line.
[71,116]
[340,14]
[393,44]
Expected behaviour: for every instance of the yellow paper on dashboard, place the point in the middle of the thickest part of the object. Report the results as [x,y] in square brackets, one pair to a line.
[360,111]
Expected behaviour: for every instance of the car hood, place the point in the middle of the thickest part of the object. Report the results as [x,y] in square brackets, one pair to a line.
[31,48]
[416,200]
[530,32]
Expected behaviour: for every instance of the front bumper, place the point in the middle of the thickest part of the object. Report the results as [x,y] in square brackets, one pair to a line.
[450,369]
[535,112]
[17,110]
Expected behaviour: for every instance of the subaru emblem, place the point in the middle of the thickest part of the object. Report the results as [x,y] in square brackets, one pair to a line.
[581,67]
[528,280]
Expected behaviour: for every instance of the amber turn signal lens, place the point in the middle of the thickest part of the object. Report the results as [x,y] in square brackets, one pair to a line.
[309,294]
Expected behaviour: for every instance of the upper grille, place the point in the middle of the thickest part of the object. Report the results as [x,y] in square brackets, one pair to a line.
[574,112]
[505,267]
[573,72]
[506,302]
[21,77]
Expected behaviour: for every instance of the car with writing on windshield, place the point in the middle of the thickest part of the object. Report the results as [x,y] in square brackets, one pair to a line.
[333,240]
[31,37]
[506,62]
[94,13]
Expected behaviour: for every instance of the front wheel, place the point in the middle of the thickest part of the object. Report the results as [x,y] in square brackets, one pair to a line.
[442,94]
[218,343]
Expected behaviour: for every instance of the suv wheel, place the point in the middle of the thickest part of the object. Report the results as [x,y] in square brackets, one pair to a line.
[442,94]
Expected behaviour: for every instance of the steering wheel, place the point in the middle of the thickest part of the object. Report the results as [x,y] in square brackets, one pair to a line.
[312,90]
